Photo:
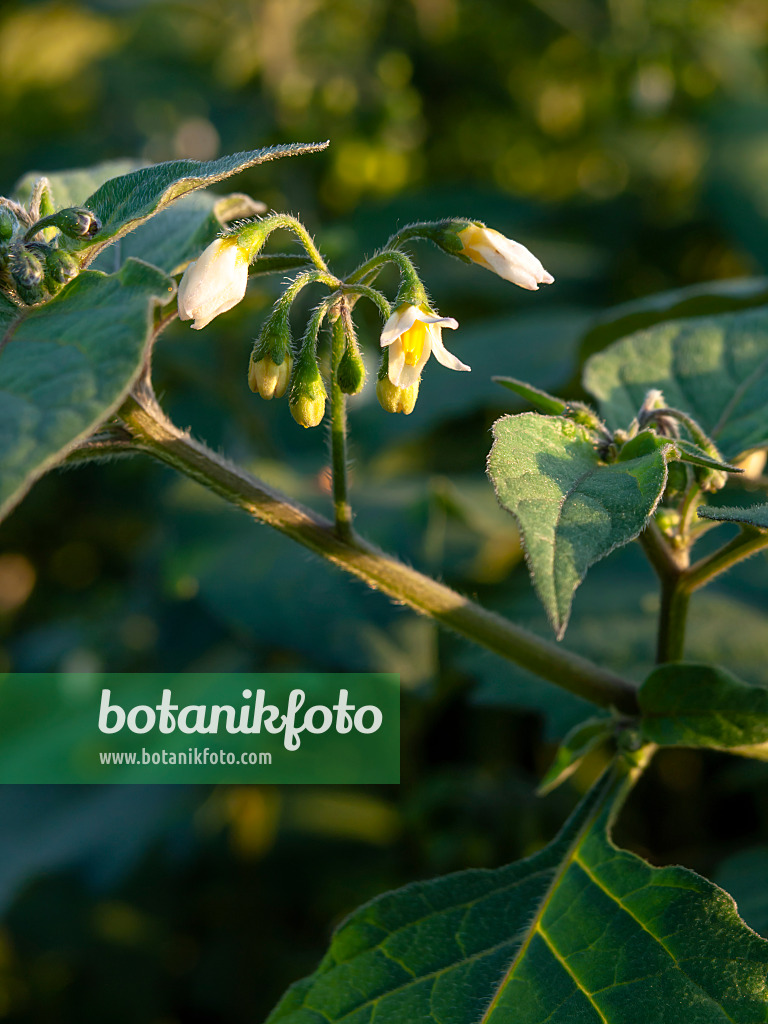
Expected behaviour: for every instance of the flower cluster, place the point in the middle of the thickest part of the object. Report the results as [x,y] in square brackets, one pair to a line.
[217,281]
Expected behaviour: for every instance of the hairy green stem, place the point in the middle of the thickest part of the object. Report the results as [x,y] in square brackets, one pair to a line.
[747,543]
[670,564]
[341,507]
[578,675]
[672,620]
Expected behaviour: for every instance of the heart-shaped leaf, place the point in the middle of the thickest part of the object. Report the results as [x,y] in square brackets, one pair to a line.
[67,365]
[581,931]
[714,368]
[686,705]
[757,515]
[572,508]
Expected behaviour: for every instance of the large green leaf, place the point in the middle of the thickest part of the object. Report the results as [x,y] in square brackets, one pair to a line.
[714,368]
[756,515]
[66,366]
[706,299]
[72,187]
[687,705]
[125,202]
[580,932]
[572,508]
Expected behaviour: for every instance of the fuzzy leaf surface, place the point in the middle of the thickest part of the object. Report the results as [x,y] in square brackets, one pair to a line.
[687,705]
[66,366]
[757,515]
[579,742]
[572,509]
[580,932]
[123,203]
[707,299]
[714,368]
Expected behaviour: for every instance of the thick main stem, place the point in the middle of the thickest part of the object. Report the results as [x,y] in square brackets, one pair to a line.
[158,436]
[341,507]
[670,564]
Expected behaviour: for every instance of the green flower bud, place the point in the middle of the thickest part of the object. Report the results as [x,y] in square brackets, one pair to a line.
[60,267]
[308,394]
[351,372]
[268,378]
[26,269]
[394,399]
[78,223]
[8,224]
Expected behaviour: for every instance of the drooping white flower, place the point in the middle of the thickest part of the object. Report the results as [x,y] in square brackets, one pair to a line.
[214,283]
[504,256]
[411,334]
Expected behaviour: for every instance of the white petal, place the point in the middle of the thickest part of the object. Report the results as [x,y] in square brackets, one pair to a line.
[402,374]
[405,317]
[401,321]
[442,355]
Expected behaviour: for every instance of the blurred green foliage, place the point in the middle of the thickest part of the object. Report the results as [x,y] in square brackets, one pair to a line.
[624,141]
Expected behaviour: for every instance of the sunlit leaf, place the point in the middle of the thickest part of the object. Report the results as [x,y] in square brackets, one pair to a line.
[572,509]
[123,203]
[714,368]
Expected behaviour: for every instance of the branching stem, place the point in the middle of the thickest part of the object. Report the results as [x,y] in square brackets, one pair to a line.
[156,435]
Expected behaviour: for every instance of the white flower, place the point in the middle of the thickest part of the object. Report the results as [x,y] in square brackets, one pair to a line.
[505,257]
[214,283]
[411,333]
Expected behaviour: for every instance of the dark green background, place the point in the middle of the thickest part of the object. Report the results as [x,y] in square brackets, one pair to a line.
[625,143]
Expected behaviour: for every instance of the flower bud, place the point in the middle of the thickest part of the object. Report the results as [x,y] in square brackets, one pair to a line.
[268,378]
[503,256]
[76,222]
[27,269]
[394,399]
[351,373]
[213,283]
[8,224]
[308,394]
[60,266]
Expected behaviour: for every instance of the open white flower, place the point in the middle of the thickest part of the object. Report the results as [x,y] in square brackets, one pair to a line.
[214,283]
[504,256]
[411,333]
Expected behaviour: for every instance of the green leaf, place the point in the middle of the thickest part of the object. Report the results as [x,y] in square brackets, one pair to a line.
[72,187]
[687,705]
[540,400]
[572,509]
[580,932]
[579,742]
[67,365]
[125,202]
[696,456]
[757,515]
[714,368]
[708,299]
[179,233]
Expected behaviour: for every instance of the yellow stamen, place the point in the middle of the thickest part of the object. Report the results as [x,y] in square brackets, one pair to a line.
[413,342]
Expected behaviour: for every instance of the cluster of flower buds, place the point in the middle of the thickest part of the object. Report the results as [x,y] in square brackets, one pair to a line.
[33,264]
[217,281]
